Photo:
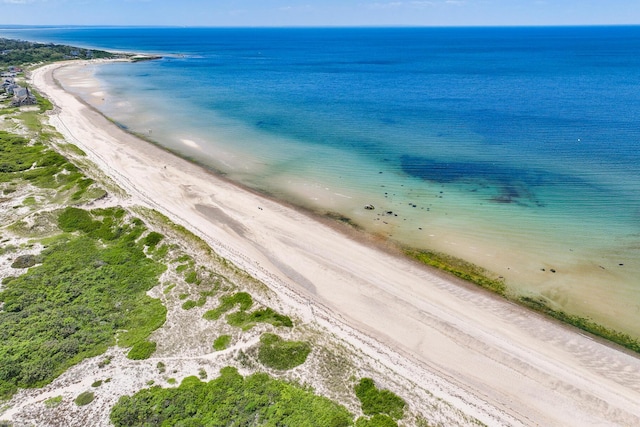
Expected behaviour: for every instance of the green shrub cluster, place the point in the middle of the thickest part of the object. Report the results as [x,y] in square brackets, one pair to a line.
[85,398]
[228,302]
[71,306]
[229,400]
[19,52]
[379,402]
[222,342]
[53,402]
[24,261]
[277,353]
[152,239]
[246,321]
[142,350]
[243,319]
[189,304]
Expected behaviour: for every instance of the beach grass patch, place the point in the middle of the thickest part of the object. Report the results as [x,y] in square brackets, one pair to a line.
[228,302]
[246,321]
[222,342]
[85,398]
[74,149]
[191,277]
[142,350]
[29,201]
[277,353]
[53,402]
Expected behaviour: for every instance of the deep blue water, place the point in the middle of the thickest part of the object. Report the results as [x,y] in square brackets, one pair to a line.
[536,129]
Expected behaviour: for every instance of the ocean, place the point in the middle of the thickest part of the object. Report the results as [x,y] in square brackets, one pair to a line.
[513,148]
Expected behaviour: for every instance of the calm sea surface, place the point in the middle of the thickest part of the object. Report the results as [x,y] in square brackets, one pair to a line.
[514,148]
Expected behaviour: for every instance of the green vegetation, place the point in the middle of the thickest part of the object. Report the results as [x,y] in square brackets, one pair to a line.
[191,277]
[202,374]
[583,323]
[277,353]
[222,342]
[38,165]
[96,384]
[73,149]
[85,398]
[243,319]
[376,401]
[377,420]
[152,239]
[229,400]
[29,201]
[71,306]
[228,302]
[53,402]
[246,321]
[460,268]
[24,261]
[18,52]
[104,362]
[188,305]
[162,368]
[142,350]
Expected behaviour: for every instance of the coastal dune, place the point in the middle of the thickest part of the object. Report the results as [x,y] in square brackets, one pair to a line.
[487,357]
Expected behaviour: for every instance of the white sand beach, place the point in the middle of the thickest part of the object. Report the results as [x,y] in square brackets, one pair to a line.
[488,357]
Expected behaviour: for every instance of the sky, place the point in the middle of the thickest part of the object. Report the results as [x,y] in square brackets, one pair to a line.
[286,13]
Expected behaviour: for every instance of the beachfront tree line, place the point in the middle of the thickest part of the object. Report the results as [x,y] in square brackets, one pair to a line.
[19,52]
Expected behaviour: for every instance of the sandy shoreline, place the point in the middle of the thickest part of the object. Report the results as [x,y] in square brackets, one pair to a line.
[487,357]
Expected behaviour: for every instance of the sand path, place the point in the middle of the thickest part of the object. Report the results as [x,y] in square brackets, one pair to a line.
[490,358]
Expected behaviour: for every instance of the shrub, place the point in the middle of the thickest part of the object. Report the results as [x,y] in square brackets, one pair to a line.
[24,261]
[279,354]
[75,219]
[85,398]
[228,302]
[376,401]
[229,400]
[152,239]
[377,420]
[142,350]
[191,277]
[189,304]
[71,306]
[246,321]
[222,342]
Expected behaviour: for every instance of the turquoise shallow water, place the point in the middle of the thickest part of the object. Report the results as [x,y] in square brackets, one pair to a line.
[515,148]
